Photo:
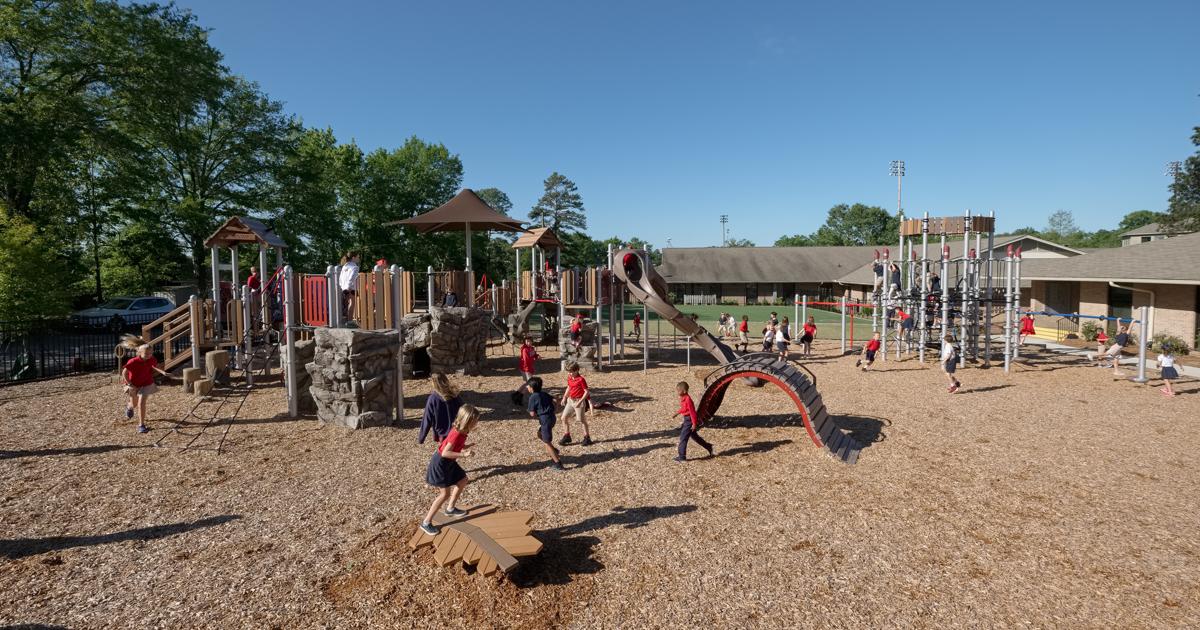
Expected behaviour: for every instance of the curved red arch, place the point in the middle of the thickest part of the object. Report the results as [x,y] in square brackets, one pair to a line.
[711,401]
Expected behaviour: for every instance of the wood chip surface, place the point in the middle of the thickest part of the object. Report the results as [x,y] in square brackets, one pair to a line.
[1054,496]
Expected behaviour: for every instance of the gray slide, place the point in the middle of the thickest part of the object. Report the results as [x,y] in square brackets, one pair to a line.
[634,269]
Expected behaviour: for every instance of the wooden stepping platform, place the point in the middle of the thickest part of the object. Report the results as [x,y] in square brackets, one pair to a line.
[485,538]
[820,426]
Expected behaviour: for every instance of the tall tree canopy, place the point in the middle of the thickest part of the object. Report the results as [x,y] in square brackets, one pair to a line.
[496,198]
[1183,211]
[857,224]
[1137,219]
[561,207]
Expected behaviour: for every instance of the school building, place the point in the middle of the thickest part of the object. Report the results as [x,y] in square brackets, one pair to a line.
[1163,274]
[758,275]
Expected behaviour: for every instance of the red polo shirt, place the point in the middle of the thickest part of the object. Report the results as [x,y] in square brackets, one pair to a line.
[688,409]
[576,387]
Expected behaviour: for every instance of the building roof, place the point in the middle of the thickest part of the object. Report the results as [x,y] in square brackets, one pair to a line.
[239,230]
[761,264]
[465,209]
[1167,261]
[542,237]
[1150,229]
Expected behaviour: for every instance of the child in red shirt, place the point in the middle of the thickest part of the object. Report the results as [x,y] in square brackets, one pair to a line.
[444,472]
[690,429]
[637,326]
[575,400]
[577,330]
[139,383]
[1026,328]
[810,331]
[744,333]
[528,362]
[868,353]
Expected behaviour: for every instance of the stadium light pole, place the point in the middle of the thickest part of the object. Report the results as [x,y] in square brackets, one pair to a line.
[724,222]
[897,171]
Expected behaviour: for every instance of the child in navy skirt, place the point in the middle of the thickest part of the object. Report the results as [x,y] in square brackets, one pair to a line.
[443,471]
[1166,367]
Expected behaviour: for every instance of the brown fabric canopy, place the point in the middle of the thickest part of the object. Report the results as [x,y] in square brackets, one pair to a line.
[466,211]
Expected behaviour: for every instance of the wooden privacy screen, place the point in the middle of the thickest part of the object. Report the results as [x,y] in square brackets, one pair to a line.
[457,281]
[948,225]
[374,309]
[586,287]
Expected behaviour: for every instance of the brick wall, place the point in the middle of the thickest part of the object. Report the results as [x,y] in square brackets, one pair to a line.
[1175,309]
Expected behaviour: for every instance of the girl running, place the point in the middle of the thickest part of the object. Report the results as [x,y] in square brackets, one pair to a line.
[444,472]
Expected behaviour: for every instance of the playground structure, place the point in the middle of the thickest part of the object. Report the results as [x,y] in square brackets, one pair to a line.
[490,541]
[755,369]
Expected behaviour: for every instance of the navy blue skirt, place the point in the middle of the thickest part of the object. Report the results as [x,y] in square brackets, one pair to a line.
[1169,373]
[443,472]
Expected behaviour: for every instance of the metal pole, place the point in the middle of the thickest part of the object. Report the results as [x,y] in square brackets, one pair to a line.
[945,290]
[429,288]
[796,308]
[843,325]
[803,310]
[469,267]
[987,317]
[336,301]
[645,337]
[194,314]
[397,301]
[216,291]
[1008,314]
[924,306]
[1144,312]
[963,299]
[517,284]
[290,324]
[247,313]
[884,324]
[1016,298]
[233,267]
[562,316]
[264,304]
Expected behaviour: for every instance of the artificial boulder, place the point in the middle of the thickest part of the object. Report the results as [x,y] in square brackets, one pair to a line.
[354,376]
[454,338]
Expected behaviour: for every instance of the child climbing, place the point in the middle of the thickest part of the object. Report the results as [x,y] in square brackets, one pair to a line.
[575,401]
[1026,327]
[950,362]
[576,333]
[441,408]
[868,353]
[541,406]
[1166,368]
[528,364]
[690,429]
[444,471]
[744,333]
[138,376]
[810,333]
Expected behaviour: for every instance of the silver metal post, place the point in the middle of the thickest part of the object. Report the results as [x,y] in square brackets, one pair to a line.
[843,324]
[924,306]
[430,287]
[397,301]
[290,324]
[335,302]
[987,318]
[945,290]
[1016,298]
[194,314]
[1143,317]
[885,325]
[645,337]
[216,291]
[517,284]
[796,308]
[248,342]
[803,310]
[1008,310]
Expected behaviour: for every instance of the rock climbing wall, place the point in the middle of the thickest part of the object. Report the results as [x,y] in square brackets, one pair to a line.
[353,376]
[587,355]
[455,339]
[304,355]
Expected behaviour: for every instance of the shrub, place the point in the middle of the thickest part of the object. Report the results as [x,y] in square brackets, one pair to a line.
[1090,330]
[1169,344]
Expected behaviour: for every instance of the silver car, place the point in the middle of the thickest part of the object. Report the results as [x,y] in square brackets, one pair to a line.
[120,312]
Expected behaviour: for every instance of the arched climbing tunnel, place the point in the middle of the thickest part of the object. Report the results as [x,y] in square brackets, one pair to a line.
[798,386]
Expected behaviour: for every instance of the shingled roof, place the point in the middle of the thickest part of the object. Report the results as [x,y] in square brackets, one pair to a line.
[761,264]
[1167,261]
[239,230]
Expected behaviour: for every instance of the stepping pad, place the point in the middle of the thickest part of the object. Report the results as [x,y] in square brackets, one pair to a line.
[484,538]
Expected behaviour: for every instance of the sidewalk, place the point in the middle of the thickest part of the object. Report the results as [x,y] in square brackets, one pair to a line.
[1127,359]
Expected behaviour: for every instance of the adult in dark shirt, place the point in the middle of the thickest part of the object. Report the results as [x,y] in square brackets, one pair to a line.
[450,300]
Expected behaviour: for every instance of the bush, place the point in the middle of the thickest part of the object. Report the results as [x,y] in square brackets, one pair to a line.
[1168,344]
[1090,331]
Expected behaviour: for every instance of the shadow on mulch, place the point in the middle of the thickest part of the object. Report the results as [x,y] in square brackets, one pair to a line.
[981,390]
[23,547]
[604,399]
[78,450]
[567,553]
[866,430]
[753,447]
[570,460]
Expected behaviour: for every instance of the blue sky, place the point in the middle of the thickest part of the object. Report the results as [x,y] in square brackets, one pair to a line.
[669,114]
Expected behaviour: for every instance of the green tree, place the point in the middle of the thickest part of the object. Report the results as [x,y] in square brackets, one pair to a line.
[1137,219]
[68,68]
[198,165]
[561,207]
[796,240]
[140,259]
[317,184]
[581,250]
[1061,227]
[1183,210]
[26,261]
[858,224]
[739,242]
[496,198]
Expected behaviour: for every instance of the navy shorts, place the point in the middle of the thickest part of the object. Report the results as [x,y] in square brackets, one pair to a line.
[806,339]
[950,366]
[546,430]
[907,324]
[870,356]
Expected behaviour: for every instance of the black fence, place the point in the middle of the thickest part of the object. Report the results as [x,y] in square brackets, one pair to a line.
[54,347]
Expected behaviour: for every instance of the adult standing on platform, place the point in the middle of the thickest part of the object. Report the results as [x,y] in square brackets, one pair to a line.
[348,282]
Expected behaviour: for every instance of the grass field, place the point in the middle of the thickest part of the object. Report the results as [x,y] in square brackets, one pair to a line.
[758,315]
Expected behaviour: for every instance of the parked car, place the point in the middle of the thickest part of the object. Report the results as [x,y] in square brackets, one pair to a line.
[121,312]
